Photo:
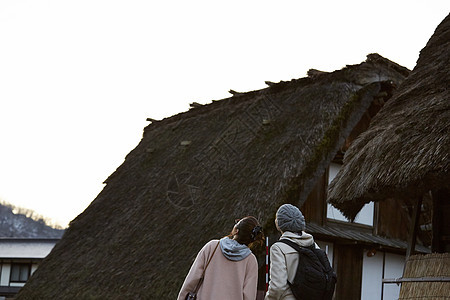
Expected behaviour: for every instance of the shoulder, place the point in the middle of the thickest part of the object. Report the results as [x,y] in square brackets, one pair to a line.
[209,246]
[282,247]
[251,260]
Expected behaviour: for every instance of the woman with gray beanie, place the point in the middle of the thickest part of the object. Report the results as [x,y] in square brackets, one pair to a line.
[283,258]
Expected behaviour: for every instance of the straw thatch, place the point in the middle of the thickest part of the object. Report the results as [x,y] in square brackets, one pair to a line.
[406,150]
[194,173]
[432,266]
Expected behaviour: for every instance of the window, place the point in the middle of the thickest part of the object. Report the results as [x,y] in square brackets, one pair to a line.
[365,216]
[20,272]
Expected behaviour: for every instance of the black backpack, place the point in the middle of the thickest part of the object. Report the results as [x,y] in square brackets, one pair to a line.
[314,279]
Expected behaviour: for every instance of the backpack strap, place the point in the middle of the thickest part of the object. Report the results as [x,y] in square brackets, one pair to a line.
[320,254]
[203,275]
[310,251]
[204,270]
[294,245]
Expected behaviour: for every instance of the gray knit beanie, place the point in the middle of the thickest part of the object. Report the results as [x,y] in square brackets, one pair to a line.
[290,218]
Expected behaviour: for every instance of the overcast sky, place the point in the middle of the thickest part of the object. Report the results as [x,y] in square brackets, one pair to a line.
[79,78]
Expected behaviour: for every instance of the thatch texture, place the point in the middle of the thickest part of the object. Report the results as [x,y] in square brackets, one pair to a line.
[432,266]
[194,173]
[406,150]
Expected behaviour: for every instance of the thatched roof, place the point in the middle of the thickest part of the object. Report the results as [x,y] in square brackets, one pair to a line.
[426,267]
[194,173]
[345,233]
[406,150]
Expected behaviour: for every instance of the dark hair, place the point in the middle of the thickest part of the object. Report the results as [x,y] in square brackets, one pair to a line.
[250,232]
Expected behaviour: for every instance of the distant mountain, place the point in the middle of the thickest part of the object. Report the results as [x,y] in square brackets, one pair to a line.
[20,226]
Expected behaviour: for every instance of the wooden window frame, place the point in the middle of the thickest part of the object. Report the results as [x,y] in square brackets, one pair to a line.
[19,265]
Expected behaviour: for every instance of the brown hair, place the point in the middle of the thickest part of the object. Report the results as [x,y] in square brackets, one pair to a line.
[250,232]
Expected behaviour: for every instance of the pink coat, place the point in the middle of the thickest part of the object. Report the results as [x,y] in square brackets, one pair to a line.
[224,279]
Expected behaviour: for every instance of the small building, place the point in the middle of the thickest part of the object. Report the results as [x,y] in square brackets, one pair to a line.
[361,254]
[19,259]
[25,240]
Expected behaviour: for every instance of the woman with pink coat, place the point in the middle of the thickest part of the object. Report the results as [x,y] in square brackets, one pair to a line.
[231,267]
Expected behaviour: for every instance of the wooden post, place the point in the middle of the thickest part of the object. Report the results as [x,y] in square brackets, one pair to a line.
[413,231]
[436,244]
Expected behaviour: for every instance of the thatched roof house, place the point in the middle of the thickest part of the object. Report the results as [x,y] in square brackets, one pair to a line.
[405,153]
[194,173]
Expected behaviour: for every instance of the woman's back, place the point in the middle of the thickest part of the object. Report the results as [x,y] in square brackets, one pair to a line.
[231,268]
[227,279]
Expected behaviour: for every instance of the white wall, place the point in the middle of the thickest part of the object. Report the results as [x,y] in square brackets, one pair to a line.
[25,249]
[4,276]
[372,275]
[17,284]
[393,268]
[33,268]
[375,268]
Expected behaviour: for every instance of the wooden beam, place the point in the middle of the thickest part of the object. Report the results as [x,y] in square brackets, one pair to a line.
[348,262]
[436,240]
[413,229]
[418,279]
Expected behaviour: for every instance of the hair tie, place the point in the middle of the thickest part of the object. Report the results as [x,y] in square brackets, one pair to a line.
[256,231]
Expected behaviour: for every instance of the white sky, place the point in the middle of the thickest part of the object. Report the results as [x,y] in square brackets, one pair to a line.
[79,78]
